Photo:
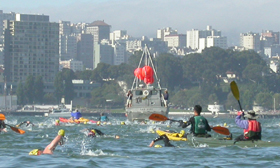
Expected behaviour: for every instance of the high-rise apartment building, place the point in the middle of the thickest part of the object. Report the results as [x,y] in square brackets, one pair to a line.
[161,33]
[177,40]
[119,53]
[85,50]
[67,47]
[269,38]
[118,35]
[31,47]
[250,41]
[100,30]
[103,52]
[194,35]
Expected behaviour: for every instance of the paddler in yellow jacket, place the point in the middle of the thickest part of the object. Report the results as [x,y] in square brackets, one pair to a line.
[199,124]
[51,147]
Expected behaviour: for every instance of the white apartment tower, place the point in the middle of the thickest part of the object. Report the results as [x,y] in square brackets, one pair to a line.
[178,40]
[250,41]
[161,33]
[118,35]
[31,47]
[194,35]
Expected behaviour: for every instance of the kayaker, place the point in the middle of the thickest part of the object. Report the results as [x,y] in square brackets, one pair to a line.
[165,140]
[199,124]
[252,128]
[3,126]
[103,118]
[51,147]
[27,123]
[76,115]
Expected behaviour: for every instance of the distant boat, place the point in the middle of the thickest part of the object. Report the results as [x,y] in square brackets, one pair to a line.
[216,109]
[147,99]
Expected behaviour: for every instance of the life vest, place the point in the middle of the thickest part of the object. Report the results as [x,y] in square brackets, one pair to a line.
[253,131]
[76,115]
[200,125]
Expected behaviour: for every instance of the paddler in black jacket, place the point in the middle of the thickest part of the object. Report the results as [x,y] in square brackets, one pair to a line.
[199,124]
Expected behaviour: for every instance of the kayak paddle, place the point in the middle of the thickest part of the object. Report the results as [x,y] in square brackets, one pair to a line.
[159,117]
[20,131]
[235,92]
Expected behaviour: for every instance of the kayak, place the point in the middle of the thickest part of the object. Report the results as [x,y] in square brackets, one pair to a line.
[80,120]
[171,136]
[214,142]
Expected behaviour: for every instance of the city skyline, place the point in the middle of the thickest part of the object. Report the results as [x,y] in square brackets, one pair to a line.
[143,17]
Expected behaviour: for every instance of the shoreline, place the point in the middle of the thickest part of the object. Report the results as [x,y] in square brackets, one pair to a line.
[122,114]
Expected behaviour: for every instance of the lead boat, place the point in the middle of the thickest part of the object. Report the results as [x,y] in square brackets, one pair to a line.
[147,98]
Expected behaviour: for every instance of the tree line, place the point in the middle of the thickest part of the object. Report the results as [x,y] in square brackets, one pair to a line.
[196,78]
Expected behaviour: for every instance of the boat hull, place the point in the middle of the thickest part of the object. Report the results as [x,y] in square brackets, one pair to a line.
[212,142]
[141,114]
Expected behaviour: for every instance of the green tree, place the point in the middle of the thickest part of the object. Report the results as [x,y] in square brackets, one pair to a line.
[49,98]
[264,99]
[59,86]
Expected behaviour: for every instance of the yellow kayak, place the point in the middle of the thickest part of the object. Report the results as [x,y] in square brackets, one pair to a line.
[171,136]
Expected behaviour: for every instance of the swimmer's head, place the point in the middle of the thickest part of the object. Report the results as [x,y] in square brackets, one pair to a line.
[117,137]
[158,146]
[225,124]
[35,152]
[98,123]
[122,123]
[57,121]
[61,132]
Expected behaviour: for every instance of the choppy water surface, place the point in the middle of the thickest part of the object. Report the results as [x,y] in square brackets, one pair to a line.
[131,150]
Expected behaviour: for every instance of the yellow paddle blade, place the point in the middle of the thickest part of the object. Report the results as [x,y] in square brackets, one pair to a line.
[221,130]
[158,117]
[234,90]
[2,117]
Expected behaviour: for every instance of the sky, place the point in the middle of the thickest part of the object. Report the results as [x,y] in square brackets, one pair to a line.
[144,17]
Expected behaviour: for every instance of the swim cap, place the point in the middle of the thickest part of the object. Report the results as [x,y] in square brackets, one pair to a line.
[182,132]
[85,122]
[158,146]
[57,121]
[122,123]
[168,126]
[98,123]
[93,131]
[117,137]
[225,124]
[34,152]
[61,132]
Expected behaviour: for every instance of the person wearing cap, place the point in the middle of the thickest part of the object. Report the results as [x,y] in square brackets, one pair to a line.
[27,124]
[76,115]
[166,139]
[92,132]
[3,126]
[57,123]
[51,147]
[199,124]
[252,128]
[129,96]
[165,98]
[103,118]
